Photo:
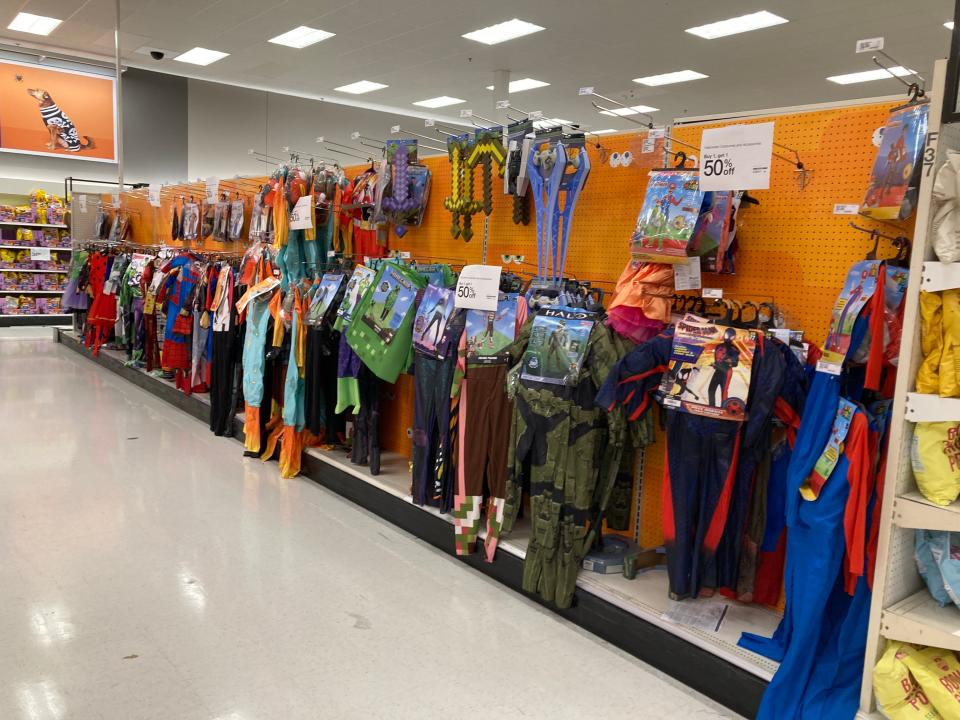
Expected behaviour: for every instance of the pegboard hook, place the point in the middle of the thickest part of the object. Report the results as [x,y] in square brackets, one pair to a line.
[915,90]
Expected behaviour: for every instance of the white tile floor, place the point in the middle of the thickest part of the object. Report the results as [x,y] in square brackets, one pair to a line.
[148,571]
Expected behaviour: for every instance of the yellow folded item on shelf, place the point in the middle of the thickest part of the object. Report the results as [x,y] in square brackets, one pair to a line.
[899,696]
[950,357]
[935,458]
[938,674]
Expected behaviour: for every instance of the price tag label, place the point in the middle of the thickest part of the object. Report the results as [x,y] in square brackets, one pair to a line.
[478,287]
[586,91]
[503,104]
[712,293]
[687,277]
[466,113]
[355,135]
[300,215]
[153,195]
[829,367]
[404,254]
[648,145]
[213,187]
[40,253]
[536,115]
[657,132]
[869,45]
[736,157]
[394,129]
[331,253]
[428,123]
[115,197]
[82,202]
[846,209]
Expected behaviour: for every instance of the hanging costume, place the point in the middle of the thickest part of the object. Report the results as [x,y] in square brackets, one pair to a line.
[479,386]
[569,450]
[831,500]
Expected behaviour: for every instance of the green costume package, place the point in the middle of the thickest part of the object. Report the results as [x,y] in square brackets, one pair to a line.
[381,330]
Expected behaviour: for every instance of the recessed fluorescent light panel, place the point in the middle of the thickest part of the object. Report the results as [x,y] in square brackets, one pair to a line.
[633,110]
[501,32]
[868,75]
[201,56]
[35,24]
[301,37]
[948,24]
[547,123]
[524,84]
[439,102]
[733,26]
[360,87]
[670,78]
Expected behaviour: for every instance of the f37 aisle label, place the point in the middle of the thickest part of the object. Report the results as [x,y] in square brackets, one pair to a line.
[710,368]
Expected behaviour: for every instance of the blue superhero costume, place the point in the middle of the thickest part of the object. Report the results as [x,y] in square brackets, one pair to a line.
[821,639]
[702,461]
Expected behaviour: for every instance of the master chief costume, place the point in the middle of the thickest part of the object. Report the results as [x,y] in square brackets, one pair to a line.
[569,450]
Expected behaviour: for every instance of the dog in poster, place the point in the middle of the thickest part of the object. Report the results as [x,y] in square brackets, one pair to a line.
[61,128]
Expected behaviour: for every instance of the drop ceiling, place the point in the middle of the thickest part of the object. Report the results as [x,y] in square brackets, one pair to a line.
[415,47]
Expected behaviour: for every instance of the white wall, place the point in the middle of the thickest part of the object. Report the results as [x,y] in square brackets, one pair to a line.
[224,122]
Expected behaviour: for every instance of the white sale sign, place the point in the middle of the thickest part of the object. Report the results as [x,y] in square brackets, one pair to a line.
[478,287]
[736,157]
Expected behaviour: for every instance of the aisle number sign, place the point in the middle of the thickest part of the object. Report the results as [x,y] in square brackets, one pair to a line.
[736,157]
[478,287]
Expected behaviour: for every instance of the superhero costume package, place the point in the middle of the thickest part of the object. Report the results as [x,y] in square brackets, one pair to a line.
[709,369]
[713,234]
[859,287]
[668,217]
[894,180]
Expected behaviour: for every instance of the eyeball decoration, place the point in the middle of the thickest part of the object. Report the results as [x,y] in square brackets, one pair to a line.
[615,159]
[626,158]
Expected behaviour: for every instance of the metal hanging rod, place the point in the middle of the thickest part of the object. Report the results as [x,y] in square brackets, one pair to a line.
[357,136]
[916,89]
[600,108]
[322,140]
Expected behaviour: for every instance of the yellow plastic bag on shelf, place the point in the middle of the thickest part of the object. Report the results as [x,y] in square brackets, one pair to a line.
[931,342]
[950,357]
[938,674]
[899,697]
[935,458]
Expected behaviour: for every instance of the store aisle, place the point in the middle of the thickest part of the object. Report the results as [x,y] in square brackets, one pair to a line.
[147,570]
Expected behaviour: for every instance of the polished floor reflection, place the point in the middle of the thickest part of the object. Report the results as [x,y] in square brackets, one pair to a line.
[148,571]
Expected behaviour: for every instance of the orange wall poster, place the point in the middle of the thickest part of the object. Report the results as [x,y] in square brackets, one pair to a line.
[56,112]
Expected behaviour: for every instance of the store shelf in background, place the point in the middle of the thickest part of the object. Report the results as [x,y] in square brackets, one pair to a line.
[932,408]
[7,223]
[27,247]
[919,619]
[913,510]
[940,276]
[32,292]
[32,270]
